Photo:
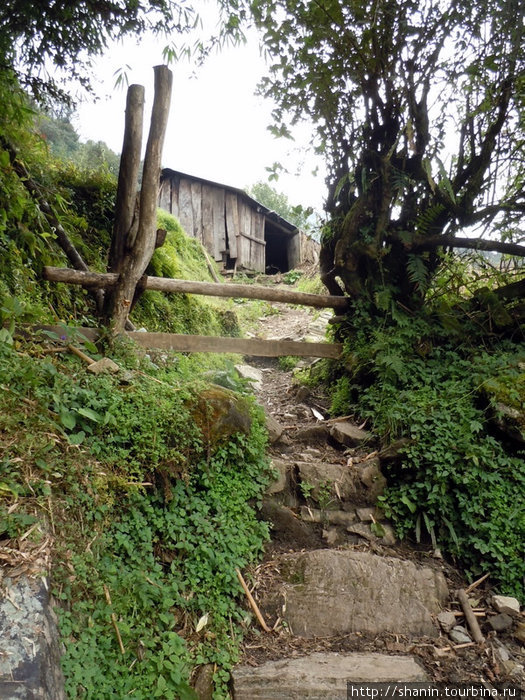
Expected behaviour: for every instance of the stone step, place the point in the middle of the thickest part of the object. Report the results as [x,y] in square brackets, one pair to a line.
[328,592]
[321,676]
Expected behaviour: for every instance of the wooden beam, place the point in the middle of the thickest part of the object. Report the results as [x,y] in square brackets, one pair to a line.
[204,343]
[252,238]
[240,346]
[165,284]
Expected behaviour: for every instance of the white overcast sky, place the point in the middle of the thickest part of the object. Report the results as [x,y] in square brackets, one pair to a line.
[217,127]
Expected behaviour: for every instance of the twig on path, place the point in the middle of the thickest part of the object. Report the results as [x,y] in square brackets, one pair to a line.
[114,621]
[252,602]
[476,583]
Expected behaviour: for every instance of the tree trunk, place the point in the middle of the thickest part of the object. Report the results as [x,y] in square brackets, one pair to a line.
[126,214]
[139,248]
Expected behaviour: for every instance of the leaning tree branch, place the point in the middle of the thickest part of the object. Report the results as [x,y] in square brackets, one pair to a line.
[62,238]
[421,243]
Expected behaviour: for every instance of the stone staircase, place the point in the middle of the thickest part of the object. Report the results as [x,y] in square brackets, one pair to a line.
[350,607]
[335,574]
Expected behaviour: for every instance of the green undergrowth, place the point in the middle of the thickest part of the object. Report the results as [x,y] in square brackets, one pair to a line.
[458,479]
[146,510]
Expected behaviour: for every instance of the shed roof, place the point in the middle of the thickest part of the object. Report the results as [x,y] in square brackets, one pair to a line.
[282,224]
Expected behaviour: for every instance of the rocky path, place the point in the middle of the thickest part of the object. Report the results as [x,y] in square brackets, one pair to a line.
[347,603]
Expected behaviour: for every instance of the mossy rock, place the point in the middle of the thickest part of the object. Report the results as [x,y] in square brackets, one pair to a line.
[507,399]
[220,413]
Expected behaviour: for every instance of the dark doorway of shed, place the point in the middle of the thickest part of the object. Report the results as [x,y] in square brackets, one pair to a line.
[276,253]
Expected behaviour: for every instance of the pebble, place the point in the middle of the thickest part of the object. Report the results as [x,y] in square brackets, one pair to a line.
[501,651]
[447,620]
[506,604]
[459,634]
[500,622]
[519,632]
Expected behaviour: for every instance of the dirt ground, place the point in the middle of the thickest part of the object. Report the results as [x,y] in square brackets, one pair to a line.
[500,659]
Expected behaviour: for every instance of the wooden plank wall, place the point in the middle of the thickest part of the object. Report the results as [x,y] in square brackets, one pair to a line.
[221,220]
[232,222]
[196,203]
[250,254]
[165,195]
[218,223]
[258,251]
[185,213]
[293,245]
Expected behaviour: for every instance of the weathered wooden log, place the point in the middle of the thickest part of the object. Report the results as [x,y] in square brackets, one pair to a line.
[470,617]
[165,284]
[138,256]
[242,346]
[204,343]
[126,210]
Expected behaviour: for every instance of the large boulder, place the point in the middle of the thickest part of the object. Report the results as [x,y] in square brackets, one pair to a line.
[220,413]
[327,481]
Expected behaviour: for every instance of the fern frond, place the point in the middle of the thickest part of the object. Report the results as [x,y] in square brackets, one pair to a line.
[417,273]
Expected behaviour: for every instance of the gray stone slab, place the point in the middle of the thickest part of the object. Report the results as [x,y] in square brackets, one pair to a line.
[29,647]
[252,373]
[335,479]
[321,676]
[331,592]
[349,434]
[274,428]
[281,469]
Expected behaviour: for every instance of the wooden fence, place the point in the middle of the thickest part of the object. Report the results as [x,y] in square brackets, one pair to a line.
[196,343]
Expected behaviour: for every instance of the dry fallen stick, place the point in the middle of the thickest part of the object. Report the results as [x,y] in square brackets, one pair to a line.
[476,583]
[114,621]
[469,616]
[252,602]
[76,351]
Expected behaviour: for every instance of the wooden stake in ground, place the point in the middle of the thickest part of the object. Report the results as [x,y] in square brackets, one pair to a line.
[469,616]
[126,205]
[138,249]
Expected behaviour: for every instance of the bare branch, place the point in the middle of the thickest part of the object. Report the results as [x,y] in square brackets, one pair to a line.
[420,243]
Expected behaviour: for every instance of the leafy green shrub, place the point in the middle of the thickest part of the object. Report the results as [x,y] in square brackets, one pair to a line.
[292,276]
[288,362]
[457,480]
[91,196]
[182,257]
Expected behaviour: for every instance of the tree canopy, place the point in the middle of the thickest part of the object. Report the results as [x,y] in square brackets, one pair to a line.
[419,111]
[279,203]
[37,38]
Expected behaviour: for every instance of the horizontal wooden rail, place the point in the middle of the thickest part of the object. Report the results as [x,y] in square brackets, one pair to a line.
[205,343]
[252,238]
[163,284]
[241,346]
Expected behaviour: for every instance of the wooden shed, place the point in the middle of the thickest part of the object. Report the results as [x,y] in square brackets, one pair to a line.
[235,229]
